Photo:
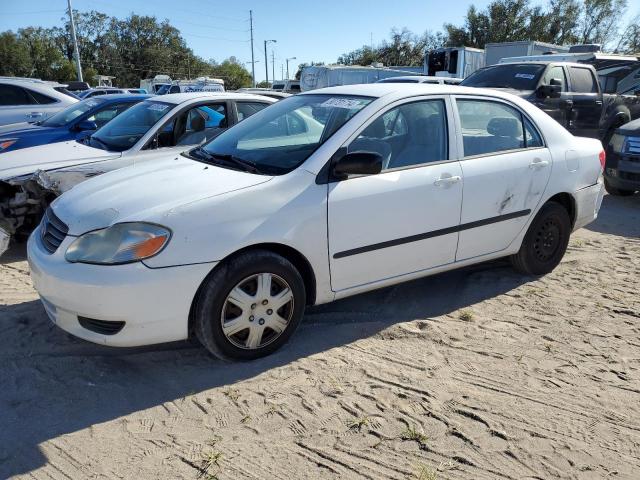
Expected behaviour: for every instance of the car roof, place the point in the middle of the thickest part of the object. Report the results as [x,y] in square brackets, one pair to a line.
[32,81]
[384,89]
[116,97]
[541,62]
[178,98]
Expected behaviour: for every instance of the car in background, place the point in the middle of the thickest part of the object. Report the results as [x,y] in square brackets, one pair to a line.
[286,86]
[94,92]
[74,122]
[421,79]
[321,196]
[569,92]
[266,92]
[622,170]
[31,100]
[31,177]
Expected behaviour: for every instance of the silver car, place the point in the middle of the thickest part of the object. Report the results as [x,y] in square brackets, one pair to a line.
[31,100]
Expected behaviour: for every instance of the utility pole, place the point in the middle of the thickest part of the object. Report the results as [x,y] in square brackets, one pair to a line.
[273,65]
[281,71]
[253,63]
[292,58]
[76,52]
[266,60]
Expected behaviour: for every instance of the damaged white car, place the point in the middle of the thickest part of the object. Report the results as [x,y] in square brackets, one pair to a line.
[321,196]
[31,178]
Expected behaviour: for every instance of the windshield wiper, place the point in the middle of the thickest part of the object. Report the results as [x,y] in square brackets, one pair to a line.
[238,162]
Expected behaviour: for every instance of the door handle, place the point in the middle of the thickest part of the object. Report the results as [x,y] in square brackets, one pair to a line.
[567,103]
[538,163]
[35,114]
[446,179]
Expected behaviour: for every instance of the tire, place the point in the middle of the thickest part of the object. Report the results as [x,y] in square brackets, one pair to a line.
[545,242]
[251,329]
[616,192]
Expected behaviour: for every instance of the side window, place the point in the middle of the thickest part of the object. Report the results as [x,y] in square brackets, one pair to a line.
[583,81]
[107,114]
[12,95]
[555,72]
[532,138]
[410,134]
[489,127]
[174,89]
[246,109]
[200,124]
[41,98]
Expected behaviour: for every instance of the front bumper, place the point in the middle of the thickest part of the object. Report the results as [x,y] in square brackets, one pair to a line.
[622,171]
[153,303]
[588,202]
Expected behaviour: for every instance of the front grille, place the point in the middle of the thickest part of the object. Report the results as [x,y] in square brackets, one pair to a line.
[633,146]
[103,327]
[629,176]
[53,231]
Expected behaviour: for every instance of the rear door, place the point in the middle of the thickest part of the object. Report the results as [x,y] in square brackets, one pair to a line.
[586,102]
[403,219]
[557,108]
[506,167]
[16,105]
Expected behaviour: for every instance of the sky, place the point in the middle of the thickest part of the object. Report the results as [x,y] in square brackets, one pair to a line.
[309,31]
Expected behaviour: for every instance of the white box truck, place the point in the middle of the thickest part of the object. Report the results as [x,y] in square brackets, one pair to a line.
[494,52]
[453,62]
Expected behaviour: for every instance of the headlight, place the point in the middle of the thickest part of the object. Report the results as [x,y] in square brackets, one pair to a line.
[616,142]
[120,243]
[6,143]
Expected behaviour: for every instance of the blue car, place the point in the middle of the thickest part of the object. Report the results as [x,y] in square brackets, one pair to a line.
[73,123]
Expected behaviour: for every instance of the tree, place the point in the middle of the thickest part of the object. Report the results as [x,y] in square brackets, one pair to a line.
[14,56]
[234,74]
[600,20]
[629,41]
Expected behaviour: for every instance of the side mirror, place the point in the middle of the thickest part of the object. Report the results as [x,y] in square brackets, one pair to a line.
[85,125]
[357,163]
[637,93]
[553,90]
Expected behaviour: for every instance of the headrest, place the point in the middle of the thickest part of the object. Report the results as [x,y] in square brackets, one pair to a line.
[504,127]
[429,130]
[197,123]
[376,129]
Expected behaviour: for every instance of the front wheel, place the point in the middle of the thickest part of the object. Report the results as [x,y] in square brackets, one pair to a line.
[617,192]
[545,242]
[250,306]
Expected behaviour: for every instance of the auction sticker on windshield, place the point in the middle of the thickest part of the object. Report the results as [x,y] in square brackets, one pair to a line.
[348,103]
[158,107]
[527,76]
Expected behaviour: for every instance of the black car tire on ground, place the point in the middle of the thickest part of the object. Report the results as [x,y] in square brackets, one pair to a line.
[545,242]
[208,311]
[616,191]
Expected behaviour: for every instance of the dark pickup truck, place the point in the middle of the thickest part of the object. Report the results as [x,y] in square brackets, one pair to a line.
[568,92]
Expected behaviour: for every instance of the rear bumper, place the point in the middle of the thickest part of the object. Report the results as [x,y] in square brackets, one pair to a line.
[588,202]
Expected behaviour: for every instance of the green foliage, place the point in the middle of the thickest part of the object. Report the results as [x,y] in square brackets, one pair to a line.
[560,21]
[131,49]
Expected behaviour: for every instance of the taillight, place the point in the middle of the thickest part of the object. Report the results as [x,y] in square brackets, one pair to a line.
[603,159]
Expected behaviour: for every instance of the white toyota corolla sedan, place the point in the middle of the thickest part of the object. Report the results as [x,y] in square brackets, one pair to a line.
[320,196]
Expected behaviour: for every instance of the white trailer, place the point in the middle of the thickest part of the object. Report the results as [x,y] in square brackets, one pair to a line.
[321,76]
[453,62]
[494,52]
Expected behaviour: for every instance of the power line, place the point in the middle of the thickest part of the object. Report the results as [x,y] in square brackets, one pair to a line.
[33,12]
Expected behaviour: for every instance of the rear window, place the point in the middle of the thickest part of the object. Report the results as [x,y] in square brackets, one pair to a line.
[583,81]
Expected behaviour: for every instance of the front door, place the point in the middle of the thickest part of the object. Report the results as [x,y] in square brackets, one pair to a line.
[404,219]
[505,167]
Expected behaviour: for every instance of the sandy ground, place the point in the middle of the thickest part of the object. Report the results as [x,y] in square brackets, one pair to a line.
[474,374]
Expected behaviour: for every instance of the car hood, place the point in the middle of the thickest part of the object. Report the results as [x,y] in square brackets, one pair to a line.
[22,128]
[49,157]
[630,128]
[146,192]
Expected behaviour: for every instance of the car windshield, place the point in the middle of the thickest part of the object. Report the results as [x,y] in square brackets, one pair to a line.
[69,114]
[516,76]
[126,129]
[279,138]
